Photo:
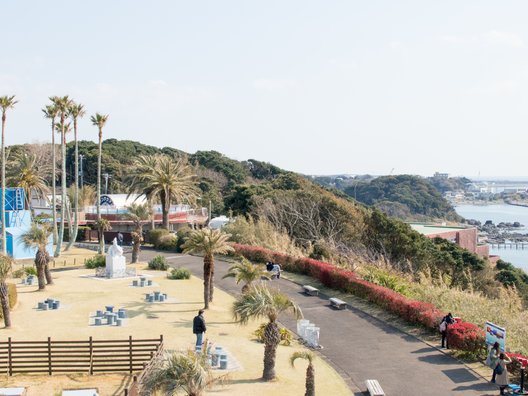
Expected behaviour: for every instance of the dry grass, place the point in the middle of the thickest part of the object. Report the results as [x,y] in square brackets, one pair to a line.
[80,296]
[506,311]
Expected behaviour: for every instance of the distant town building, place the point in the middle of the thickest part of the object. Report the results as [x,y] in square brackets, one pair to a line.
[465,237]
[439,175]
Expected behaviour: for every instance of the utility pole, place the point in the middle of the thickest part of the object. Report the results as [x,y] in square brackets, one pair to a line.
[81,172]
[106,176]
[210,208]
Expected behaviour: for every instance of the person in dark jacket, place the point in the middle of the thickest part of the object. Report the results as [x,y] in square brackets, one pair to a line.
[199,327]
[444,325]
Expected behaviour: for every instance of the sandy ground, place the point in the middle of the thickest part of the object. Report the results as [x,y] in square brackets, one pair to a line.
[80,295]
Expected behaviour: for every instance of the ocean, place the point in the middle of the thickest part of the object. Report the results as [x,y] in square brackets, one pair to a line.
[501,213]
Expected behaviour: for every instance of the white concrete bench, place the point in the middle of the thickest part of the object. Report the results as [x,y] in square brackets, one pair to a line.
[13,391]
[374,388]
[310,290]
[337,303]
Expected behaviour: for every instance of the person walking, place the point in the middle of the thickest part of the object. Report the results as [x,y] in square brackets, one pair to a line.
[444,325]
[120,239]
[502,372]
[493,359]
[199,327]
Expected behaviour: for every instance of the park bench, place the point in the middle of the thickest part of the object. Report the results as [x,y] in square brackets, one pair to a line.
[374,388]
[13,391]
[310,290]
[337,303]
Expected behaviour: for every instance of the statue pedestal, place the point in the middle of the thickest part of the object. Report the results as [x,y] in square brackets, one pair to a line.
[115,266]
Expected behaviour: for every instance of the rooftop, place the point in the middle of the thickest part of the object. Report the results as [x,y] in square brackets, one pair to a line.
[431,229]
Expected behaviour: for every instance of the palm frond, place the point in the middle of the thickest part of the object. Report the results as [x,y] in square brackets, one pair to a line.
[263,302]
[7,102]
[310,356]
[6,265]
[207,241]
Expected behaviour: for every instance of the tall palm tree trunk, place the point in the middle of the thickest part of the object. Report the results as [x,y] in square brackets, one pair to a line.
[211,279]
[310,381]
[271,340]
[100,153]
[63,188]
[73,235]
[4,301]
[53,182]
[207,278]
[4,241]
[165,207]
[40,263]
[135,251]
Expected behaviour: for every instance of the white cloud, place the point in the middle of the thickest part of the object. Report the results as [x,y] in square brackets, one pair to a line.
[504,38]
[272,84]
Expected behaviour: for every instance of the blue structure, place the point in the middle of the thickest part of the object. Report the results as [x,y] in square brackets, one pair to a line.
[18,221]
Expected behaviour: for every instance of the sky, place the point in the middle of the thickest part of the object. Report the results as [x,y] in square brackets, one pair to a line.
[317,87]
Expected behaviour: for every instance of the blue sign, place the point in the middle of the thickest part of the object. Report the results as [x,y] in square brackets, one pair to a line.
[495,334]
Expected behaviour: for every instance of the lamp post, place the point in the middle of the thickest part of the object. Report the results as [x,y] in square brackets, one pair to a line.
[81,172]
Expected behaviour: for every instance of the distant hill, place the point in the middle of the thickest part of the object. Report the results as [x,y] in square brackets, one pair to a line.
[406,197]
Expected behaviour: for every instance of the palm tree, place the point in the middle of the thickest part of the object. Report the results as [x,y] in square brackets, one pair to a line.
[26,172]
[164,177]
[189,372]
[6,264]
[51,112]
[99,121]
[209,242]
[76,111]
[247,272]
[63,107]
[310,372]
[6,103]
[139,215]
[101,226]
[259,302]
[37,237]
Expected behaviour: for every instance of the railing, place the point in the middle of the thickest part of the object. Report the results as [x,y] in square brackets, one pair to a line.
[89,356]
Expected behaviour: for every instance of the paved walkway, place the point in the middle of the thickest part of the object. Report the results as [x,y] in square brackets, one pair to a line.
[361,347]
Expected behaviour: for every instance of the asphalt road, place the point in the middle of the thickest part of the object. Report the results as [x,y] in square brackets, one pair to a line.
[361,347]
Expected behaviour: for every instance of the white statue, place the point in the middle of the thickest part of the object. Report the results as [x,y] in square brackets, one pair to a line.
[115,250]
[115,261]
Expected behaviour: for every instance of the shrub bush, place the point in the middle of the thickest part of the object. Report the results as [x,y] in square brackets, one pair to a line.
[466,337]
[81,233]
[285,335]
[167,242]
[30,271]
[158,263]
[182,234]
[180,273]
[153,236]
[96,261]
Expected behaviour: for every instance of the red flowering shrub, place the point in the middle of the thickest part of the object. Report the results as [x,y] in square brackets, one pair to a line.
[466,337]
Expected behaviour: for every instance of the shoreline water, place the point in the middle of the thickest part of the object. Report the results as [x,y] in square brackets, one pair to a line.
[501,212]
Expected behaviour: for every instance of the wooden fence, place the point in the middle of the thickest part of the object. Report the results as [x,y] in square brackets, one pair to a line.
[90,356]
[137,381]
